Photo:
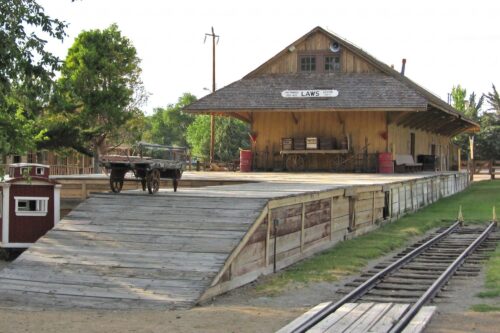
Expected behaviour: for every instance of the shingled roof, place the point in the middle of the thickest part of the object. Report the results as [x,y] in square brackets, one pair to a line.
[356,91]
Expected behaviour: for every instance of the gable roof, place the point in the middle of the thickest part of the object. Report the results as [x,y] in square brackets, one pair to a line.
[356,91]
[221,99]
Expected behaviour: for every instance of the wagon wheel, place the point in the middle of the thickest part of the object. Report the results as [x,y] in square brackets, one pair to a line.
[143,183]
[295,163]
[153,181]
[116,180]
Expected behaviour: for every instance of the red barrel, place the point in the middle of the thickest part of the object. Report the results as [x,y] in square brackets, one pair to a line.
[245,160]
[385,163]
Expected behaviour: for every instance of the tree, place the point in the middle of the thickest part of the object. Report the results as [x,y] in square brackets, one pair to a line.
[169,126]
[100,89]
[486,141]
[230,135]
[494,100]
[469,107]
[26,71]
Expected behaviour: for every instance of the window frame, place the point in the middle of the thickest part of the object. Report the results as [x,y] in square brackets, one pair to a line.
[41,206]
[312,62]
[320,60]
[39,171]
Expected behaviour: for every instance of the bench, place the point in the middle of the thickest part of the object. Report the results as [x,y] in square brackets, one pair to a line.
[406,163]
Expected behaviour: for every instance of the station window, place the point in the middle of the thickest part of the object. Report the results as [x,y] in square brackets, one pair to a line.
[332,64]
[31,206]
[307,63]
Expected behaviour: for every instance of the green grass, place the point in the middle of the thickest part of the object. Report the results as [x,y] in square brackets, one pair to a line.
[485,308]
[351,256]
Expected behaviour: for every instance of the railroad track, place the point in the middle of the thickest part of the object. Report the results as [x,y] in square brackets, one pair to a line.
[413,277]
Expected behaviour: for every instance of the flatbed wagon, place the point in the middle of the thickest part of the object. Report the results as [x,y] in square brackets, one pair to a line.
[153,163]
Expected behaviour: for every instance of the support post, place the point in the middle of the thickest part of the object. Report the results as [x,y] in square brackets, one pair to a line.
[212,115]
[302,227]
[268,237]
[5,212]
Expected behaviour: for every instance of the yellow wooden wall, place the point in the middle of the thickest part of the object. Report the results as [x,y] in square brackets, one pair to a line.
[287,63]
[400,137]
[271,127]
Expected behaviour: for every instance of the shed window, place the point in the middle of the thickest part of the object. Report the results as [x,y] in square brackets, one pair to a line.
[25,172]
[308,63]
[332,64]
[31,206]
[39,171]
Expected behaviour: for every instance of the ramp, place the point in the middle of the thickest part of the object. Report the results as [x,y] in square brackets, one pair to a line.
[130,251]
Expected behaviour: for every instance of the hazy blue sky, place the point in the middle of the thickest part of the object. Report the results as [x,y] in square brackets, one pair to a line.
[445,42]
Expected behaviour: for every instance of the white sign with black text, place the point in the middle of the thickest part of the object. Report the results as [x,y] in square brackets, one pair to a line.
[309,93]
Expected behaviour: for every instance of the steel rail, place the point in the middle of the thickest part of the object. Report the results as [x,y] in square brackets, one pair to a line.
[371,282]
[440,281]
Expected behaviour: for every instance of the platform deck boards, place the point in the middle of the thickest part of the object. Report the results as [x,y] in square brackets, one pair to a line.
[131,251]
[362,318]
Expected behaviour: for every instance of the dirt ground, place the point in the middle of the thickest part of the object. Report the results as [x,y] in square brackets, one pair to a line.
[244,311]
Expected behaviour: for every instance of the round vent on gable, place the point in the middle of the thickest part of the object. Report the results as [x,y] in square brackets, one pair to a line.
[334,47]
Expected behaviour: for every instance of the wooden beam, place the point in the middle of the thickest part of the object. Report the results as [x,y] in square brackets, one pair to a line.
[302,227]
[241,245]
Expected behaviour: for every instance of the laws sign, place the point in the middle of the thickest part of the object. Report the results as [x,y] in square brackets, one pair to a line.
[309,93]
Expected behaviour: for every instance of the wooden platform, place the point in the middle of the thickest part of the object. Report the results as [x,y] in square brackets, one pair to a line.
[172,250]
[125,251]
[363,318]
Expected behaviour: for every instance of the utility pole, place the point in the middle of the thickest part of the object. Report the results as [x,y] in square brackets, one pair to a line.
[212,116]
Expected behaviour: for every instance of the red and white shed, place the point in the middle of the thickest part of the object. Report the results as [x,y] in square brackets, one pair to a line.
[29,205]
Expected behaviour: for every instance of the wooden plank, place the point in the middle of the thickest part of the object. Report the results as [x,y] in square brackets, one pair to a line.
[386,322]
[350,319]
[369,318]
[302,227]
[241,245]
[420,321]
[303,318]
[298,199]
[333,318]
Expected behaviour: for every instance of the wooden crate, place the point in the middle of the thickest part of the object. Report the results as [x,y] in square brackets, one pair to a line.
[299,143]
[312,143]
[286,143]
[327,143]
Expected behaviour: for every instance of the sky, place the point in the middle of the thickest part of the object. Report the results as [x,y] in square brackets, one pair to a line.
[445,42]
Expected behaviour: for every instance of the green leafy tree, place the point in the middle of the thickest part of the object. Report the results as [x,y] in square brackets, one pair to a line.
[494,100]
[230,135]
[26,72]
[100,89]
[169,125]
[487,145]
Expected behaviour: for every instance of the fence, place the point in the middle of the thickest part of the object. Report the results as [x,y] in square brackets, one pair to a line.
[478,167]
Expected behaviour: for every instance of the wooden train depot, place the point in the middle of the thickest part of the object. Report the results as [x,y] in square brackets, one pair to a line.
[29,205]
[324,104]
[319,104]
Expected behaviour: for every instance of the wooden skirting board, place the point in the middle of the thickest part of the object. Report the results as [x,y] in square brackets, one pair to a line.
[172,250]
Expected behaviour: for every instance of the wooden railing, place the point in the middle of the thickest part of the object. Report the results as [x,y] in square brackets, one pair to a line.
[484,167]
[62,170]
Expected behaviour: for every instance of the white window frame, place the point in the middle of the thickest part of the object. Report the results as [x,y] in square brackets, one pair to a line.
[42,205]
